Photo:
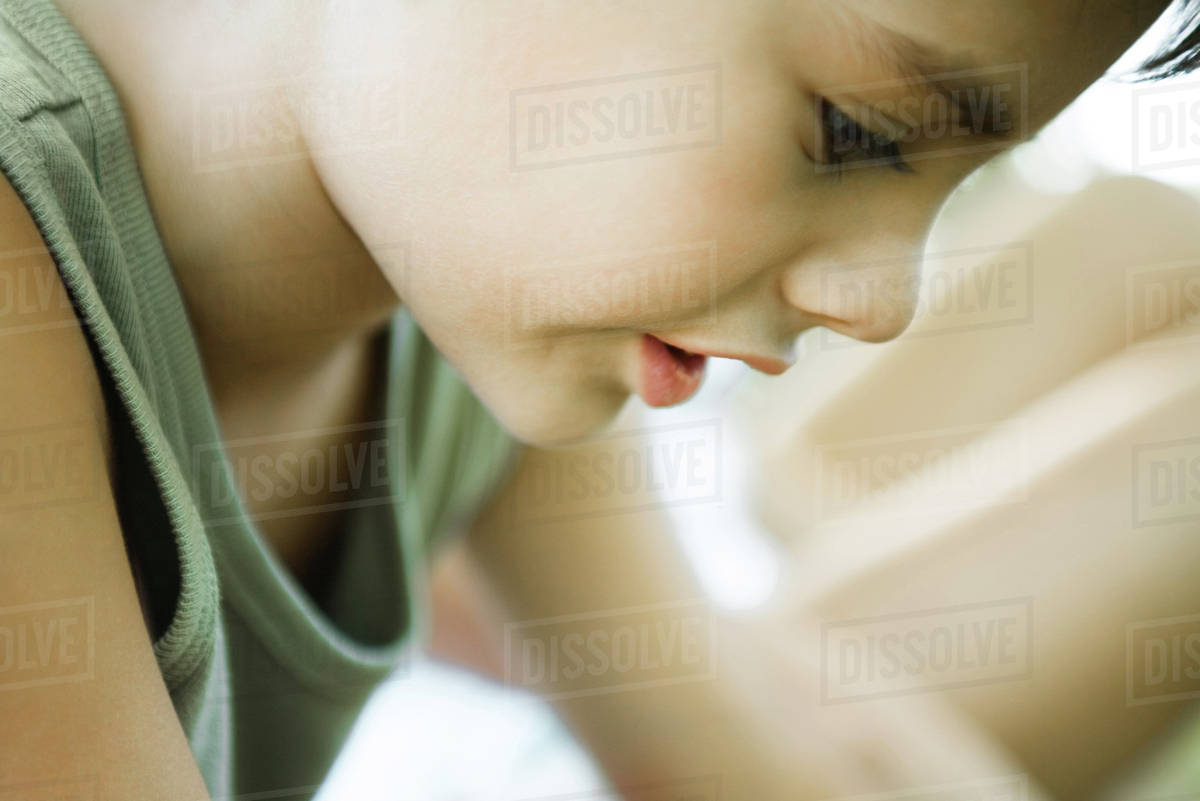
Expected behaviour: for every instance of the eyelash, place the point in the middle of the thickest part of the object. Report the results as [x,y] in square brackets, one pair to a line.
[840,128]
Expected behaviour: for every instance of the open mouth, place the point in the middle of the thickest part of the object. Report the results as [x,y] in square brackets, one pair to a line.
[690,362]
[670,375]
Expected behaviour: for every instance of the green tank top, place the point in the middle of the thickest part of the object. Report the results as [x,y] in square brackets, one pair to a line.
[266,682]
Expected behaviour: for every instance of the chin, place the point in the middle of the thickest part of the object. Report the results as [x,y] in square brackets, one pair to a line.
[561,421]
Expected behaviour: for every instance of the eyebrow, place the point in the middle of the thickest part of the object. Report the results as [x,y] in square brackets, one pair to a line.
[957,78]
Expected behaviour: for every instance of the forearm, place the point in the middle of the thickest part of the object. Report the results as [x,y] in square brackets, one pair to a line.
[701,695]
[596,575]
[1065,712]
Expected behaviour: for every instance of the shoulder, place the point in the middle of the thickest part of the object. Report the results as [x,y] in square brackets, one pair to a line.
[65,579]
[43,347]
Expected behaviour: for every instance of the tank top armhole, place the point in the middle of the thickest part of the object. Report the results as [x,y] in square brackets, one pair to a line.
[153,560]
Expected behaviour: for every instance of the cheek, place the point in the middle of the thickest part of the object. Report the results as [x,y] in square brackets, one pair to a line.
[583,246]
[570,245]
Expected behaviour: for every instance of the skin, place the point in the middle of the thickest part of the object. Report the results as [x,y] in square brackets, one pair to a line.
[54,551]
[472,224]
[474,231]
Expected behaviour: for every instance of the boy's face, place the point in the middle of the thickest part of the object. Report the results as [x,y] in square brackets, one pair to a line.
[573,176]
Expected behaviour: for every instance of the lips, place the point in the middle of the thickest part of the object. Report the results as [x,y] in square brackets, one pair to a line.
[670,375]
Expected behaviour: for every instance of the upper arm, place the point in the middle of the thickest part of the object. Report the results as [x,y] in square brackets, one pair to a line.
[81,695]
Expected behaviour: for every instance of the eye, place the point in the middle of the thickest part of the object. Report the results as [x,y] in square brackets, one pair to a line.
[847,141]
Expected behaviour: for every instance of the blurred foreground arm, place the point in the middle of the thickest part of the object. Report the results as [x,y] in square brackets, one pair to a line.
[674,698]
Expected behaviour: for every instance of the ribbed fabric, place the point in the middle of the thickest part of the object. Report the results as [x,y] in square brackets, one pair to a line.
[265,683]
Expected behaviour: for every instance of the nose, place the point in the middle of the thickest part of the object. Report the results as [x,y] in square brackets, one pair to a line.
[872,299]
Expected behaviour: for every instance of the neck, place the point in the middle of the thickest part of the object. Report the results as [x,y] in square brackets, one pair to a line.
[213,93]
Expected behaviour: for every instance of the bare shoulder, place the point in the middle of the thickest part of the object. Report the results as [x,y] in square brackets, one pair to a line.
[76,662]
[43,349]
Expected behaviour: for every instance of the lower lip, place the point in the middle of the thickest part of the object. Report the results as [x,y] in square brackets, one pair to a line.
[669,376]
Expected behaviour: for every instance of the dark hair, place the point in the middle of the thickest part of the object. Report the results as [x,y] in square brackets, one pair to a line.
[1181,52]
